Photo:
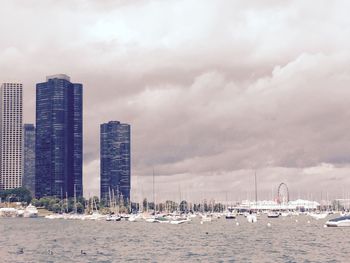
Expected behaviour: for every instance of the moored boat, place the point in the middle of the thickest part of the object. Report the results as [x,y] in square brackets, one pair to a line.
[206,218]
[150,219]
[20,212]
[180,220]
[135,218]
[230,214]
[286,213]
[113,218]
[343,221]
[252,218]
[273,214]
[319,216]
[161,219]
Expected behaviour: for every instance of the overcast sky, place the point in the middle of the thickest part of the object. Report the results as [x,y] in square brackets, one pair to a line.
[213,90]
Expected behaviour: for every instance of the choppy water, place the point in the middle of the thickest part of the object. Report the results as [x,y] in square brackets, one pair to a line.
[42,240]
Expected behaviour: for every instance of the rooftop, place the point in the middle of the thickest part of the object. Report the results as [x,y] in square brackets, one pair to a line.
[58,76]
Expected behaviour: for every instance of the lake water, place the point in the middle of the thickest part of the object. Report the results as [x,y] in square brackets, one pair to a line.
[43,240]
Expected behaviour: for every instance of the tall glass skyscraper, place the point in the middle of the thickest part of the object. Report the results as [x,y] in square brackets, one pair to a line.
[29,158]
[11,141]
[59,137]
[115,160]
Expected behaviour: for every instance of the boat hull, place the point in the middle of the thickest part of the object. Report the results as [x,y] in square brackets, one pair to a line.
[251,218]
[338,223]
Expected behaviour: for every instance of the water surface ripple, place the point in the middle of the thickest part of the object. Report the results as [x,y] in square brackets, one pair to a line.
[43,240]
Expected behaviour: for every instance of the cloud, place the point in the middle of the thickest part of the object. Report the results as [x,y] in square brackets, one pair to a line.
[213,90]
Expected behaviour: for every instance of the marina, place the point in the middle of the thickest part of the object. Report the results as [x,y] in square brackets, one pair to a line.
[174,131]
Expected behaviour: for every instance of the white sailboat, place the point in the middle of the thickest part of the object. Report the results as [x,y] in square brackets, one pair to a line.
[230,213]
[135,218]
[252,216]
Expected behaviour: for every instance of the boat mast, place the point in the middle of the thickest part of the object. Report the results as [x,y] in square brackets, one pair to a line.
[62,208]
[67,202]
[256,192]
[110,197]
[75,200]
[154,196]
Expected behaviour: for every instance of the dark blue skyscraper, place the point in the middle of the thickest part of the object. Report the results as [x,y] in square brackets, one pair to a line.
[115,160]
[59,130]
[28,180]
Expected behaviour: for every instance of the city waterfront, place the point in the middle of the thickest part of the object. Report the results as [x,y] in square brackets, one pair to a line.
[174,131]
[285,239]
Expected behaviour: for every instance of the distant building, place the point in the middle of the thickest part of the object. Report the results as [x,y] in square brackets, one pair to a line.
[11,144]
[59,137]
[115,160]
[29,158]
[298,204]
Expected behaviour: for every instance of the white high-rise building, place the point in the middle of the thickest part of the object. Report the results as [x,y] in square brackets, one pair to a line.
[11,136]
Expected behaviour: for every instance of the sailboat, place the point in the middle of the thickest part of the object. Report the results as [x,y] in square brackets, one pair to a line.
[252,216]
[114,209]
[152,218]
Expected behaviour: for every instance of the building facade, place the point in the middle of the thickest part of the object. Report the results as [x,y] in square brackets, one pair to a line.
[115,169]
[29,158]
[59,138]
[11,137]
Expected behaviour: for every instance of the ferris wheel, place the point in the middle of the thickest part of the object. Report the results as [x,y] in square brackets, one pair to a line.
[283,194]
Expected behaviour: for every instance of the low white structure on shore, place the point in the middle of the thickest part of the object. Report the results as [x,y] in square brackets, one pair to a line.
[8,212]
[273,205]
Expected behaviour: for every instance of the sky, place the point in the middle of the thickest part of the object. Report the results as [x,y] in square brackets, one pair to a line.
[214,91]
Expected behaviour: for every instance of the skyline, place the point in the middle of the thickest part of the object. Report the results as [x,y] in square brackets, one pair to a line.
[211,95]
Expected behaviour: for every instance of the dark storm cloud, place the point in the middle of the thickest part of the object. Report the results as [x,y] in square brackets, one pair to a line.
[213,90]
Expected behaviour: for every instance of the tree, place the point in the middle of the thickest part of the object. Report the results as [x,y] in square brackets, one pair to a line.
[144,204]
[336,205]
[56,208]
[52,202]
[36,202]
[96,202]
[45,201]
[183,206]
[81,200]
[20,194]
[161,207]
[171,206]
[135,207]
[151,206]
[80,208]
[206,207]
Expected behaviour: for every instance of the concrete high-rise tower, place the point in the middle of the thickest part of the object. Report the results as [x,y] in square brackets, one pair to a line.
[11,136]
